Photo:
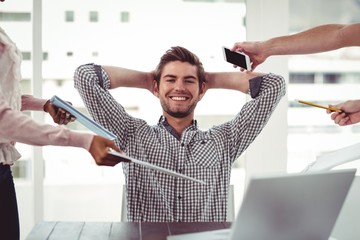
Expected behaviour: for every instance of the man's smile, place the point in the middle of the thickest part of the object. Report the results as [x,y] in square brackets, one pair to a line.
[177,98]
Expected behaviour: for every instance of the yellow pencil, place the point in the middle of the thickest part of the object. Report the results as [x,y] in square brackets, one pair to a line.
[332,109]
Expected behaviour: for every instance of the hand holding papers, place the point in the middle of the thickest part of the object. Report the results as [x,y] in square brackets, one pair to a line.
[83,119]
[125,158]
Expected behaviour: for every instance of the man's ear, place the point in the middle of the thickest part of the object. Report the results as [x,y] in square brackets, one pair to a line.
[202,91]
[156,88]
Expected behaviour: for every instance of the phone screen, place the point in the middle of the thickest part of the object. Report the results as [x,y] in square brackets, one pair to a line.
[237,59]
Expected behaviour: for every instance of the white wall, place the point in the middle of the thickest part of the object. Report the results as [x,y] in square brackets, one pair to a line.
[265,19]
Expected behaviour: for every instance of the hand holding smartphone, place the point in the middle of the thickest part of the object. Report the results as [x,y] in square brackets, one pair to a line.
[237,58]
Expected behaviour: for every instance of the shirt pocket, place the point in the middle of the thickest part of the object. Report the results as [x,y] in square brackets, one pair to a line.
[203,153]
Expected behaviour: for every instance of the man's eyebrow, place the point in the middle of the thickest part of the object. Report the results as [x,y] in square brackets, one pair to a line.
[169,76]
[174,76]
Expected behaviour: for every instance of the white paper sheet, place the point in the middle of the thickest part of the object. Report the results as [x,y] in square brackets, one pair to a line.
[330,160]
[151,166]
[83,119]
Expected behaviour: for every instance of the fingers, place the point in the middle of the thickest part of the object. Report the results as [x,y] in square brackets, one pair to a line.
[108,162]
[341,119]
[243,69]
[344,121]
[103,158]
[107,159]
[114,147]
[59,115]
[253,65]
[334,115]
[63,117]
[99,150]
[237,46]
[114,158]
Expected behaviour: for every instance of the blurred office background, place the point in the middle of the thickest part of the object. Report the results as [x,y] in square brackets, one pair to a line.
[64,184]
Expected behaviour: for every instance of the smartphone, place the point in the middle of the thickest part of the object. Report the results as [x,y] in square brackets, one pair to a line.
[237,58]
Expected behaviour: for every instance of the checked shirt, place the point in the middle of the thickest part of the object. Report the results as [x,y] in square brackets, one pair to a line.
[205,155]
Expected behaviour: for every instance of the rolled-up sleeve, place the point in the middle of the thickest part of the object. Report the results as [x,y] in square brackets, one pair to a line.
[241,131]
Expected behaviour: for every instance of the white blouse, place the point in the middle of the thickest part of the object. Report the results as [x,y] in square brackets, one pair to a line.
[18,127]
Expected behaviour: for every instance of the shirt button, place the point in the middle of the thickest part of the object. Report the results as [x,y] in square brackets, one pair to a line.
[182,144]
[179,197]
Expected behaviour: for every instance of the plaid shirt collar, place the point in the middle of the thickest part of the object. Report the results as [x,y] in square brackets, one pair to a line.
[162,122]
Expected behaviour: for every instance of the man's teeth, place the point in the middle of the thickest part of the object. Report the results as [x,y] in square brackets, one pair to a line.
[178,98]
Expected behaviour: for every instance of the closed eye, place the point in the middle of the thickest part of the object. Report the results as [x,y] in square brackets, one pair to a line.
[190,81]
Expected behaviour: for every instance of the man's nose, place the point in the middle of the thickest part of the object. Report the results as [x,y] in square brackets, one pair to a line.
[179,85]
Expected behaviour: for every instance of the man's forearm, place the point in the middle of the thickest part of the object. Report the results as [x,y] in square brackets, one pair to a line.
[123,77]
[231,80]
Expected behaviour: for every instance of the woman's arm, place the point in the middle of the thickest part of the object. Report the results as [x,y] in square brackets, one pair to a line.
[314,40]
[318,39]
[16,126]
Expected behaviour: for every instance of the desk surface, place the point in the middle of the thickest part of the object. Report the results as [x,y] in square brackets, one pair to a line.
[118,230]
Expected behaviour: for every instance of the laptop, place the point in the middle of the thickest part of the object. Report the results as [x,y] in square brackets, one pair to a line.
[286,207]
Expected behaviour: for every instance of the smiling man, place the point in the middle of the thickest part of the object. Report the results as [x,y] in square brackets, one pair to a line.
[176,142]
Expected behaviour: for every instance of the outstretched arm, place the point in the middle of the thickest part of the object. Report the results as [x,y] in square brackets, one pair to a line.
[318,39]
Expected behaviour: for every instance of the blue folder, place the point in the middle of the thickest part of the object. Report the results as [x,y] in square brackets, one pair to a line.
[83,119]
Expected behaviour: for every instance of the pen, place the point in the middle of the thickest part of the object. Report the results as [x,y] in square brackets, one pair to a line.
[332,109]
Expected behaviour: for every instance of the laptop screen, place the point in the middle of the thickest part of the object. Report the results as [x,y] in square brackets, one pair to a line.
[292,206]
[286,207]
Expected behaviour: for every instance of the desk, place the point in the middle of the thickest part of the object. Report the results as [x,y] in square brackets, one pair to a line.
[118,230]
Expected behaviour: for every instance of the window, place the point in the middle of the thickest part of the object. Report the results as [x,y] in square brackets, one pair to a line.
[15,17]
[124,17]
[21,169]
[26,87]
[93,16]
[26,56]
[332,78]
[45,56]
[69,16]
[303,78]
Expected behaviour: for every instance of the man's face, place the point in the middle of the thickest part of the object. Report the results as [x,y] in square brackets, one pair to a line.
[178,89]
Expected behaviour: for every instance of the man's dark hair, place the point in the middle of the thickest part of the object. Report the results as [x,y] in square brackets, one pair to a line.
[183,55]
